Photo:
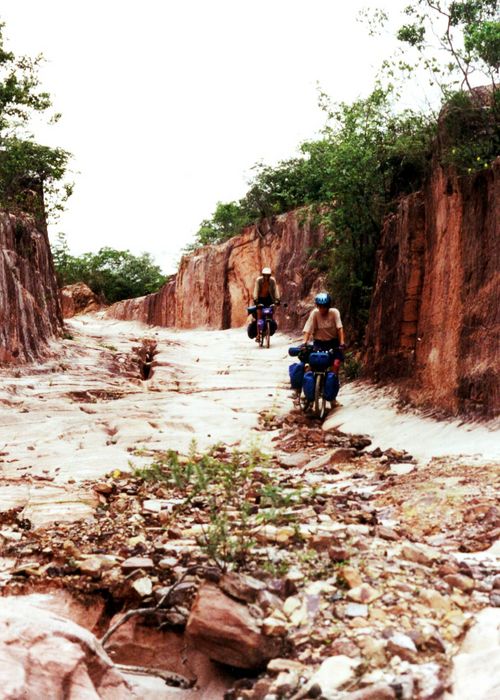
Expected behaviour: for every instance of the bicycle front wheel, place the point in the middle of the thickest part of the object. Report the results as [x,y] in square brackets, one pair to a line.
[319,398]
[268,335]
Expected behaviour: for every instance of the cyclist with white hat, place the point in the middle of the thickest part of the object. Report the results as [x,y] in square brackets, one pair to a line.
[265,291]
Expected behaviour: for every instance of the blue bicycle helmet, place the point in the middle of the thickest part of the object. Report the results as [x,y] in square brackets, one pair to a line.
[323,299]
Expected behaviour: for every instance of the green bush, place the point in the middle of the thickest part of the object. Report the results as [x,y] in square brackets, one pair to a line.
[111,274]
[471,126]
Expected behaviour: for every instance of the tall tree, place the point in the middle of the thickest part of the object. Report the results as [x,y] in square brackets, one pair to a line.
[30,174]
[456,41]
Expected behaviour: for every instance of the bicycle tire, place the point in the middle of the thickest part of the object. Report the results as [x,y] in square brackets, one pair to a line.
[319,399]
[261,337]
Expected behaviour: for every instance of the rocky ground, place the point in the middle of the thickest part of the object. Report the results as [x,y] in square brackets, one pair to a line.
[302,563]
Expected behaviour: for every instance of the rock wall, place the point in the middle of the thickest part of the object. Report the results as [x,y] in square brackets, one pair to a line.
[30,311]
[214,285]
[435,320]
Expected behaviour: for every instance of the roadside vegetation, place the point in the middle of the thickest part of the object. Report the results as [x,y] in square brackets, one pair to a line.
[372,151]
[111,274]
[235,491]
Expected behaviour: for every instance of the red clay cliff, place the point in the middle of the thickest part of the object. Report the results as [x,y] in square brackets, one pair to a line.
[30,310]
[435,321]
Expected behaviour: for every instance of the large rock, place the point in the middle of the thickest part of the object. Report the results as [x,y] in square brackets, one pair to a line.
[30,311]
[476,669]
[43,655]
[434,315]
[225,631]
[214,285]
[78,299]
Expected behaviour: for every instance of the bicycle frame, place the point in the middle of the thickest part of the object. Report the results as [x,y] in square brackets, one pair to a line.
[264,325]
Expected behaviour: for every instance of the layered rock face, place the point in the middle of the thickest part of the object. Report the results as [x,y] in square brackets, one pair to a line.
[214,285]
[30,311]
[435,317]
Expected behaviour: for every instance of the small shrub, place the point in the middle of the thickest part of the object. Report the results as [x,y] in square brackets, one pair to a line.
[232,488]
[351,369]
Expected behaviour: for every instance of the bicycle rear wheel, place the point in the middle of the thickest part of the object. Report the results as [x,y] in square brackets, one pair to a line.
[319,399]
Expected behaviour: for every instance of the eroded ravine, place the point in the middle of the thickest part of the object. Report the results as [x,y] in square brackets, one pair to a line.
[96,411]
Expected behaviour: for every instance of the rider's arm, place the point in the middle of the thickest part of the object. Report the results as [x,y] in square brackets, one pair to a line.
[256,290]
[309,327]
[341,336]
[276,293]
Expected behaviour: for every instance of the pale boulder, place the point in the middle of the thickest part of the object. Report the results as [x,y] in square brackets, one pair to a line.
[334,673]
[43,655]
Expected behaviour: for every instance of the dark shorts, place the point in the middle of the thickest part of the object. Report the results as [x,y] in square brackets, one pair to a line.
[266,301]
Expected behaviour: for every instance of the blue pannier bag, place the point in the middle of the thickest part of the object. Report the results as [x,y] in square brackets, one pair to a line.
[320,361]
[308,386]
[296,372]
[331,386]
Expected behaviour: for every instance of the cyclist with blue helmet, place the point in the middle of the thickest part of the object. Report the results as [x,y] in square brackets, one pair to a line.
[324,325]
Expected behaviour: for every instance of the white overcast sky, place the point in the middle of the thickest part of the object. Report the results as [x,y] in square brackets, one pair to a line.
[167,105]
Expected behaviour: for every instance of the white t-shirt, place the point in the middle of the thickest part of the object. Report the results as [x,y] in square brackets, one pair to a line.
[323,327]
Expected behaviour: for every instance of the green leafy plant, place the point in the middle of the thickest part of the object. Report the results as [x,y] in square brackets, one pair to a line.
[370,155]
[453,41]
[351,367]
[31,174]
[111,274]
[471,131]
[230,490]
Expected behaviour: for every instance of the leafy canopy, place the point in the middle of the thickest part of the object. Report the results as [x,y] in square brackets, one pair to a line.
[456,41]
[31,175]
[111,274]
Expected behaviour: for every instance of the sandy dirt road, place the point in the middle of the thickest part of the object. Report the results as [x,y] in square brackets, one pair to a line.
[88,411]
